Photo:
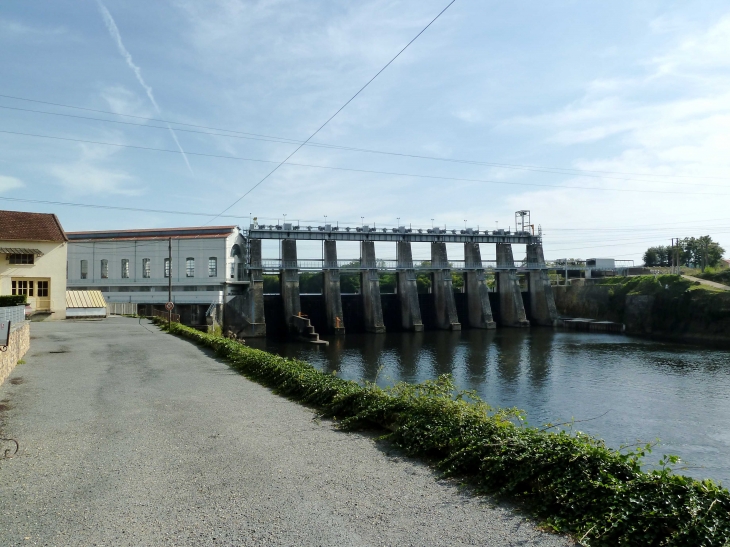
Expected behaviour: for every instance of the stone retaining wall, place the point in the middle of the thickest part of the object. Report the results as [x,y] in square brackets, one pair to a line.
[18,346]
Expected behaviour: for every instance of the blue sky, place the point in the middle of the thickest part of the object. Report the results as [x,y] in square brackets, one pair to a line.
[630,100]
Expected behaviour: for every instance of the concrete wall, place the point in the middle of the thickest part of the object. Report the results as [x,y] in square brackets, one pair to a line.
[199,289]
[19,345]
[479,309]
[332,292]
[52,266]
[511,307]
[443,290]
[370,287]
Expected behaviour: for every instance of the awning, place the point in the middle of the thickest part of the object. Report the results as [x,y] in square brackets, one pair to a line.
[85,299]
[19,251]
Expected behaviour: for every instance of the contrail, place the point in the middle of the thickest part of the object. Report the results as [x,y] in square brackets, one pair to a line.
[114,31]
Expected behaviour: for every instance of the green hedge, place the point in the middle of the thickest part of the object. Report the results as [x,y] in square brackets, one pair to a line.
[12,300]
[573,481]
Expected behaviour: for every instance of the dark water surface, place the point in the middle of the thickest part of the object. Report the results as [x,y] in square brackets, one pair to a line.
[649,389]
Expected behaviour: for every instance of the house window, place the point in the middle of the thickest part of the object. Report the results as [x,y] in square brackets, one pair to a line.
[212,267]
[146,267]
[233,270]
[104,268]
[42,289]
[167,267]
[125,268]
[22,286]
[189,267]
[21,259]
[84,269]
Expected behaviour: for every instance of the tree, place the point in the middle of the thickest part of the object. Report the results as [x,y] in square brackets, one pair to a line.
[701,252]
[694,252]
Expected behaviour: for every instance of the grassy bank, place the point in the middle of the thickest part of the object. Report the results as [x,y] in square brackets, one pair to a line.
[573,482]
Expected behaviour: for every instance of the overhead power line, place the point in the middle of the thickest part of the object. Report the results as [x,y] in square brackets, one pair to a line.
[367,171]
[548,170]
[278,139]
[337,112]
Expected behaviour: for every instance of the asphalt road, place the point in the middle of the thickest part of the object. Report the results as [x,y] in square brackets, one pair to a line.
[129,436]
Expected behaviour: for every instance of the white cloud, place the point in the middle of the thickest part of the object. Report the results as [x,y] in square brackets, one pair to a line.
[9,183]
[90,175]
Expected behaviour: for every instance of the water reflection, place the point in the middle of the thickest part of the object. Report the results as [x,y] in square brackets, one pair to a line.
[647,389]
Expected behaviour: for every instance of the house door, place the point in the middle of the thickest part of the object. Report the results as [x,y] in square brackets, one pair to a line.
[38,292]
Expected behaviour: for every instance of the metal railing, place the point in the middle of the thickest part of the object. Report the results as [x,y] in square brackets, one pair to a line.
[14,314]
[315,265]
[121,308]
[175,317]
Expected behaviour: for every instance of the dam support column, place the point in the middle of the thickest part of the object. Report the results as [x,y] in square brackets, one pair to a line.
[407,288]
[443,290]
[370,286]
[331,289]
[477,293]
[243,314]
[542,300]
[289,281]
[511,307]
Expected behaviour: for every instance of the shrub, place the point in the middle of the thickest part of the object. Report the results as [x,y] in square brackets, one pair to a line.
[573,481]
[12,300]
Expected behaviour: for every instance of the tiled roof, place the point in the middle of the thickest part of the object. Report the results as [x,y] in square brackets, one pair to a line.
[17,225]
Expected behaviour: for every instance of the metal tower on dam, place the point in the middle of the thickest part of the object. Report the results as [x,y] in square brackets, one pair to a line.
[244,313]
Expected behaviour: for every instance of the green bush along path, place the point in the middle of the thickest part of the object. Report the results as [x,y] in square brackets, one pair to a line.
[573,482]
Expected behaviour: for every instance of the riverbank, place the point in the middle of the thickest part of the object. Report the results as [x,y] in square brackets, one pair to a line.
[664,306]
[574,483]
[131,437]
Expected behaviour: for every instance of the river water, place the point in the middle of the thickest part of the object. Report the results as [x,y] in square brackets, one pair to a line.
[630,389]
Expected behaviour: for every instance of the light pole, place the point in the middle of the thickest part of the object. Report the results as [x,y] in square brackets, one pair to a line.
[362,221]
[432,224]
[398,223]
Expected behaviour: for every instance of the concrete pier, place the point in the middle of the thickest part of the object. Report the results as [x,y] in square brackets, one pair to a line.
[511,307]
[443,291]
[370,286]
[477,293]
[407,288]
[289,280]
[331,289]
[542,301]
[243,314]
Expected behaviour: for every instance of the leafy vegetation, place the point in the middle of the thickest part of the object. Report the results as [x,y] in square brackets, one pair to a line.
[571,480]
[12,300]
[700,252]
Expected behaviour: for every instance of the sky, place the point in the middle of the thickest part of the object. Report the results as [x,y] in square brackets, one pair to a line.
[608,121]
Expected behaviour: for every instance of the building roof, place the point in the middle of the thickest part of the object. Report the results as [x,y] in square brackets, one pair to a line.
[192,232]
[21,226]
[85,299]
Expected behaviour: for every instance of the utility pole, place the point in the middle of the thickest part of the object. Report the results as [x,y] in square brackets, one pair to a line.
[169,282]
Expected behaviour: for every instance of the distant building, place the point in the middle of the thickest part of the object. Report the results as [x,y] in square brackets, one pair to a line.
[133,266]
[34,247]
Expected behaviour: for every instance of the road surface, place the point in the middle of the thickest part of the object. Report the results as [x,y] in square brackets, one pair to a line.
[129,436]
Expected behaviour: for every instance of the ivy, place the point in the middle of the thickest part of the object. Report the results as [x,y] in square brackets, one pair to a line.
[572,481]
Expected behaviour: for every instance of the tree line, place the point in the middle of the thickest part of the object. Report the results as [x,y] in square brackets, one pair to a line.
[694,252]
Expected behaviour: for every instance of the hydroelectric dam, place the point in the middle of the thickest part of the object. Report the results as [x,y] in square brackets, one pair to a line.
[244,313]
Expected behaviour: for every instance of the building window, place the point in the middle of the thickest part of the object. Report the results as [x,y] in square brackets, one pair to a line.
[104,268]
[43,289]
[167,267]
[84,269]
[233,270]
[21,259]
[146,268]
[189,267]
[125,268]
[22,286]
[212,267]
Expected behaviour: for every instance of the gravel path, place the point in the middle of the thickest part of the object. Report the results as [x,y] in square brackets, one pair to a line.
[133,437]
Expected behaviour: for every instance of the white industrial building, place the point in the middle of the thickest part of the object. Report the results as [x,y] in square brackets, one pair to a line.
[133,266]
